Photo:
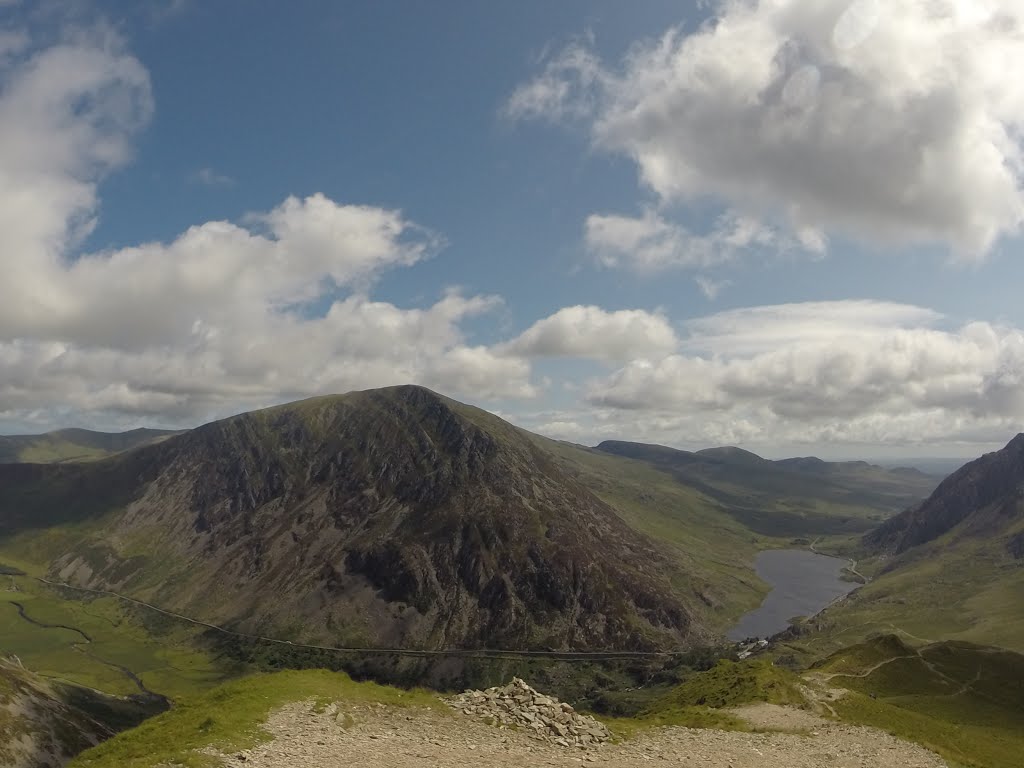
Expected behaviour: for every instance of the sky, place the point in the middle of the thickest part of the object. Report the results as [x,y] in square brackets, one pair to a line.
[793,227]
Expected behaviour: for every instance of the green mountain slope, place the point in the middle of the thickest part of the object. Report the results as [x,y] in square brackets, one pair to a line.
[792,497]
[74,445]
[962,700]
[951,567]
[389,517]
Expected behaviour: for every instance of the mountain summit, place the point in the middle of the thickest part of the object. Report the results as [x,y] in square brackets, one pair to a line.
[392,517]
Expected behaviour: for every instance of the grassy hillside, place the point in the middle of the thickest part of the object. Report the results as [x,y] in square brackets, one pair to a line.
[711,543]
[73,445]
[964,584]
[962,700]
[789,498]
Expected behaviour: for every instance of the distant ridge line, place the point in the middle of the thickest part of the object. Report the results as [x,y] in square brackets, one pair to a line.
[477,653]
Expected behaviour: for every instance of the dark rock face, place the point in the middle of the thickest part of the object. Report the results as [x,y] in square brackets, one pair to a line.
[984,493]
[388,517]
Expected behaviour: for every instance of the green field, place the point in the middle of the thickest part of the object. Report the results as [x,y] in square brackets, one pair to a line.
[168,662]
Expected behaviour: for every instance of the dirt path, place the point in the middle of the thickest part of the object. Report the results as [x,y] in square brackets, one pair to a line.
[383,737]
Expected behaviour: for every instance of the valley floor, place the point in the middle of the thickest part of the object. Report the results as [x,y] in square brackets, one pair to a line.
[389,737]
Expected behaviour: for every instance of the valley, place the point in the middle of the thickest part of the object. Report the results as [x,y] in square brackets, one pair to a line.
[321,534]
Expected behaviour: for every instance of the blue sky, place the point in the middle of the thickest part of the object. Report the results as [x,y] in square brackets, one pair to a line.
[691,223]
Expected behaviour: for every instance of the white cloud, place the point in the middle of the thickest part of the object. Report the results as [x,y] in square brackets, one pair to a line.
[650,243]
[893,123]
[647,243]
[591,332]
[224,317]
[829,371]
[565,90]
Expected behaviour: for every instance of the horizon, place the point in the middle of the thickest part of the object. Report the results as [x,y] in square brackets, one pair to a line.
[593,220]
[914,457]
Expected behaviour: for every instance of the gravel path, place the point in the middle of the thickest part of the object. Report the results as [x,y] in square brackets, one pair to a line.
[386,737]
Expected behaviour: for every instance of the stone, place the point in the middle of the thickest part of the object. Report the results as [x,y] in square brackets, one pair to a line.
[543,717]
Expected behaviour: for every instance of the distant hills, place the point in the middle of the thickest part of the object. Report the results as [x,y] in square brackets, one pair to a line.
[74,445]
[791,497]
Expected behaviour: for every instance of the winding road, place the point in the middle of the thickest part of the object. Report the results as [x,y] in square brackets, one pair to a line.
[852,567]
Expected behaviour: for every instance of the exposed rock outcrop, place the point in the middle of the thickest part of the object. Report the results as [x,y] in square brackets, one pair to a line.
[546,718]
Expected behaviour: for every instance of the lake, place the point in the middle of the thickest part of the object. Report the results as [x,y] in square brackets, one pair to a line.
[803,583]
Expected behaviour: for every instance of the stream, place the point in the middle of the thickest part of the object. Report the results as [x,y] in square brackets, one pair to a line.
[81,647]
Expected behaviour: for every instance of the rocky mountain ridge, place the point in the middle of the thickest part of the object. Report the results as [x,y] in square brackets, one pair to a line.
[387,517]
[984,497]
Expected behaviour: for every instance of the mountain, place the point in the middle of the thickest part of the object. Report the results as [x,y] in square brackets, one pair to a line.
[948,568]
[44,723]
[73,445]
[981,499]
[790,497]
[392,517]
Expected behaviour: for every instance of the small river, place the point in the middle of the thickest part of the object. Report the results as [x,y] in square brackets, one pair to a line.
[803,583]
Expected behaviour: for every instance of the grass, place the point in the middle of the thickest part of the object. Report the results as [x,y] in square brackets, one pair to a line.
[229,718]
[966,589]
[730,684]
[963,701]
[703,700]
[971,745]
[715,551]
[169,663]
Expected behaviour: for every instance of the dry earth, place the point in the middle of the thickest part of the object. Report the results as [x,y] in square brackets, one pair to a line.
[385,737]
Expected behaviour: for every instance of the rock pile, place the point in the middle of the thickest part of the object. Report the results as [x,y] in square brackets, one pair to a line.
[517,704]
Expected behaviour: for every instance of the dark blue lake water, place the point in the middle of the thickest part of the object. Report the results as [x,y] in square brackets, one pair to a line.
[802,584]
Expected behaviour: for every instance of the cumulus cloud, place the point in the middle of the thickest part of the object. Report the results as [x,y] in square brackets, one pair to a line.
[855,371]
[650,243]
[591,332]
[223,317]
[892,123]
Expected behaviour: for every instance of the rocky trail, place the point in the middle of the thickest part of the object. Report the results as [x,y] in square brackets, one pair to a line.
[392,737]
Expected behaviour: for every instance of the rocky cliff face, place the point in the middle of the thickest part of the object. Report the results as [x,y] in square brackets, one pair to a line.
[982,498]
[385,517]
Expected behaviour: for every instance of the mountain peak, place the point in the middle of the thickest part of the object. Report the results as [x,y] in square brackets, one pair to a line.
[388,517]
[992,482]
